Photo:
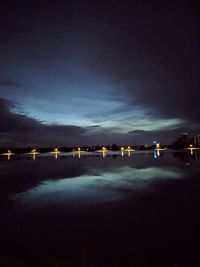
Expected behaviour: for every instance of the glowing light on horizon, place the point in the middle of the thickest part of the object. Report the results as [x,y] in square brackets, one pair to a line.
[191,149]
[55,152]
[8,154]
[157,146]
[122,151]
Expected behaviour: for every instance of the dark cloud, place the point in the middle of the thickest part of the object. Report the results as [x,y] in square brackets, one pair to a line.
[20,129]
[154,49]
[137,132]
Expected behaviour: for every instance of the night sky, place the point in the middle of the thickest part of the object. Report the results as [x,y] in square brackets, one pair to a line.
[82,73]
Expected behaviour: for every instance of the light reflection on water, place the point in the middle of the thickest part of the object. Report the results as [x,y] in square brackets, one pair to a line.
[91,176]
[98,187]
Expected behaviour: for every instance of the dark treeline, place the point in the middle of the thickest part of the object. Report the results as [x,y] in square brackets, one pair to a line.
[113,147]
[185,140]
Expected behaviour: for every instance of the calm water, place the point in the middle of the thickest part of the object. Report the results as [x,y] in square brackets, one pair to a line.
[142,210]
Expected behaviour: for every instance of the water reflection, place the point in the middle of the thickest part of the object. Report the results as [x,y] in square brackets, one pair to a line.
[90,165]
[187,157]
[101,187]
[104,154]
[155,155]
[105,206]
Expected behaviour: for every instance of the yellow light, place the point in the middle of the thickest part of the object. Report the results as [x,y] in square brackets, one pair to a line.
[157,145]
[55,150]
[191,145]
[104,154]
[104,148]
[8,154]
[122,148]
[79,149]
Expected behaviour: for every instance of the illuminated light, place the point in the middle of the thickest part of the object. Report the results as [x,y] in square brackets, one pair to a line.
[122,148]
[8,154]
[156,153]
[77,152]
[104,154]
[129,153]
[103,150]
[129,149]
[33,153]
[158,149]
[191,149]
[55,151]
[157,146]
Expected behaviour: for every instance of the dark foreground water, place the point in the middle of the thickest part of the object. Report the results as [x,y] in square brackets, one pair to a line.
[142,210]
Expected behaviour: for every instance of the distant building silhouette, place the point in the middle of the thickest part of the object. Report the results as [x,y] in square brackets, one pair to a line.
[185,138]
[197,140]
[182,141]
